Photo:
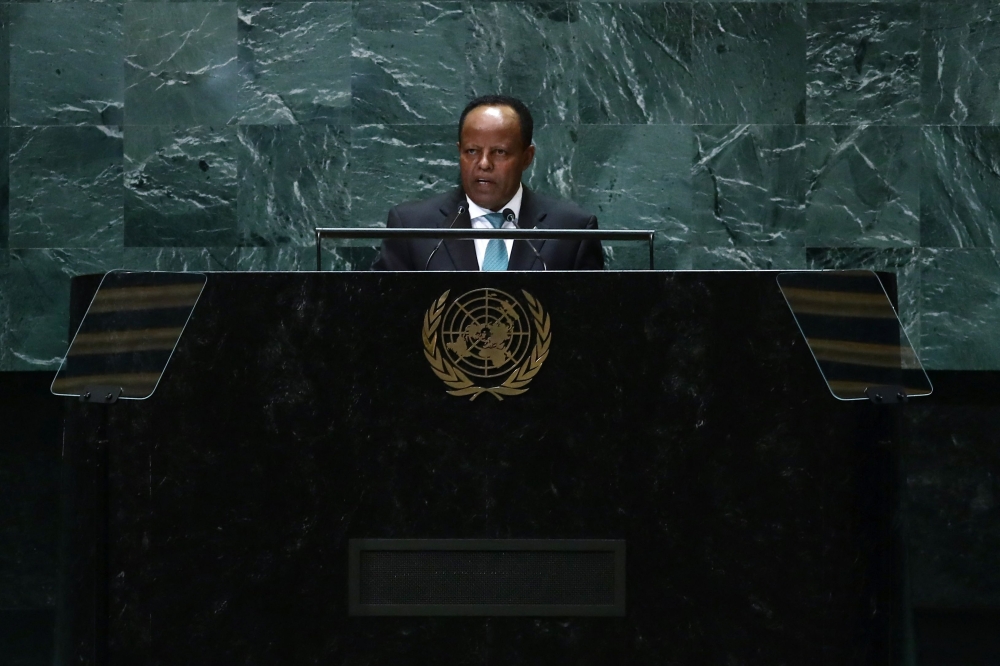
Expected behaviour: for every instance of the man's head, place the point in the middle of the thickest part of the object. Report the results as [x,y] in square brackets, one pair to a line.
[494,148]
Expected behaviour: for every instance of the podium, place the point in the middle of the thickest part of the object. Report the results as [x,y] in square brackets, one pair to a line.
[675,421]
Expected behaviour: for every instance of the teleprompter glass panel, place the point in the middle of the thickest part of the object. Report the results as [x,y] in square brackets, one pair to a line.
[129,333]
[853,333]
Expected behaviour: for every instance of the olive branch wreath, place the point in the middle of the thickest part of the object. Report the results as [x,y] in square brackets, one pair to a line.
[458,381]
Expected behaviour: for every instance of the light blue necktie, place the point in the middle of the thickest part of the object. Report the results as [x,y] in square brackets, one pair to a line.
[495,258]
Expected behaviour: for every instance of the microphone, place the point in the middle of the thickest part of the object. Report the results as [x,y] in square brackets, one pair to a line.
[461,209]
[508,216]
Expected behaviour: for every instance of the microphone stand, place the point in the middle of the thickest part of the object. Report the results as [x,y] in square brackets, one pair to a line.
[461,209]
[508,216]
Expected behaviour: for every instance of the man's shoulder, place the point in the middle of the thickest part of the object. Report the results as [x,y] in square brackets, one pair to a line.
[418,208]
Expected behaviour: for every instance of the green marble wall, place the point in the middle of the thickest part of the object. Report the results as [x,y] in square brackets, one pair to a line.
[216,135]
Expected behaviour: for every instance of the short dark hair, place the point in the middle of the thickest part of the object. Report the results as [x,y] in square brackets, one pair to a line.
[524,116]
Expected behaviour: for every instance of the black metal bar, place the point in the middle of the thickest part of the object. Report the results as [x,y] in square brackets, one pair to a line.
[527,234]
[468,234]
[319,251]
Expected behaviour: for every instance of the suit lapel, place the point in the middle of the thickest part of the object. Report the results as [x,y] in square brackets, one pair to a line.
[522,258]
[462,252]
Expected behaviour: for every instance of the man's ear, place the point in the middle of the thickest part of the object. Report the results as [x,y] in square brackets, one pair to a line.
[529,156]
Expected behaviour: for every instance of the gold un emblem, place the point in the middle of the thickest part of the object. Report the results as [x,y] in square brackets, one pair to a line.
[485,335]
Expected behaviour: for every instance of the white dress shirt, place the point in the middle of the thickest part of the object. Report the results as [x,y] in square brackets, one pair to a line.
[479,221]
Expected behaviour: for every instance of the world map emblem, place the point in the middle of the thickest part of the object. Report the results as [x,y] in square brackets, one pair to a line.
[486,341]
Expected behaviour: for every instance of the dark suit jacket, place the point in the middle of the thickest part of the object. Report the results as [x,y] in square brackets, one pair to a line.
[537,211]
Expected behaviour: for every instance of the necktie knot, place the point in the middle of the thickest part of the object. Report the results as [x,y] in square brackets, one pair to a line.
[496,219]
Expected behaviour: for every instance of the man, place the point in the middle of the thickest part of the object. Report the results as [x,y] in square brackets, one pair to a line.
[494,146]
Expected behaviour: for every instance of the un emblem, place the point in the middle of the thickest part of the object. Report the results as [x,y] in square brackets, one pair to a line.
[486,336]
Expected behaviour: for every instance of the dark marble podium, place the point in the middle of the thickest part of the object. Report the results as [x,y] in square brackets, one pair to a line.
[681,412]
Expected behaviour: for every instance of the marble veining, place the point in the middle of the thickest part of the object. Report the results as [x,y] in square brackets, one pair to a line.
[746,185]
[960,308]
[180,63]
[395,163]
[180,187]
[960,201]
[525,49]
[408,62]
[34,293]
[750,61]
[66,187]
[636,177]
[750,131]
[295,63]
[4,64]
[292,180]
[961,58]
[864,63]
[4,192]
[66,64]
[635,63]
[863,186]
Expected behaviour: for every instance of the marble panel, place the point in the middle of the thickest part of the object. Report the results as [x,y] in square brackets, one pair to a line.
[180,63]
[395,163]
[66,187]
[551,172]
[34,297]
[863,186]
[66,64]
[679,256]
[863,63]
[960,309]
[777,257]
[409,62]
[961,58]
[960,200]
[291,258]
[292,180]
[904,262]
[277,258]
[747,185]
[4,190]
[180,187]
[749,62]
[4,63]
[181,259]
[634,256]
[636,177]
[524,49]
[635,63]
[295,62]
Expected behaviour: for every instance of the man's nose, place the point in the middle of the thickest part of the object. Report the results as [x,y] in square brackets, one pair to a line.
[485,163]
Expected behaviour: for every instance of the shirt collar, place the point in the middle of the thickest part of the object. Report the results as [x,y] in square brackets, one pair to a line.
[514,204]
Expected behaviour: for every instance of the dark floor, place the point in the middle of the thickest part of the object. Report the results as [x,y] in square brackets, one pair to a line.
[953,519]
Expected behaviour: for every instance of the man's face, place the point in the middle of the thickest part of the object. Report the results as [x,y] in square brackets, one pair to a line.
[492,156]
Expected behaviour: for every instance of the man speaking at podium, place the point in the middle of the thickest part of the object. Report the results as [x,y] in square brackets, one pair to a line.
[494,146]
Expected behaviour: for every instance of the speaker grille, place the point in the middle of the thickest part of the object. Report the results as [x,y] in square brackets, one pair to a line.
[504,577]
